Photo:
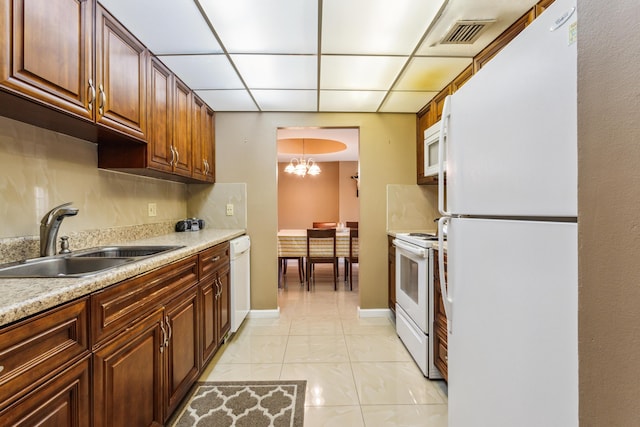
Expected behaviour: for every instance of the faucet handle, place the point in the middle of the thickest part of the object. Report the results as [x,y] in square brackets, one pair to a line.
[64,245]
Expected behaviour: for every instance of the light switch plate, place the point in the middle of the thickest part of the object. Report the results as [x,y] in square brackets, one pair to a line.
[153,209]
[229,209]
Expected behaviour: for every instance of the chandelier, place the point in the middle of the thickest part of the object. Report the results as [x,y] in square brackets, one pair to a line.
[302,167]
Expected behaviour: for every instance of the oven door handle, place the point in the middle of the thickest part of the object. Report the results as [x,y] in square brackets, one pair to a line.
[410,248]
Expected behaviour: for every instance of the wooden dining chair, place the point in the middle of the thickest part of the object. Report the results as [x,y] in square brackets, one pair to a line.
[325,224]
[321,249]
[353,256]
[352,224]
[282,268]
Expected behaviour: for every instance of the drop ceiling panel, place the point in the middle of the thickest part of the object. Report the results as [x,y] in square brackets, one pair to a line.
[360,72]
[375,26]
[256,26]
[406,102]
[286,100]
[165,26]
[278,71]
[350,101]
[228,100]
[204,71]
[431,74]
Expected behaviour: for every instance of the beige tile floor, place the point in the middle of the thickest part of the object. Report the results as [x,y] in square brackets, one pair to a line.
[358,372]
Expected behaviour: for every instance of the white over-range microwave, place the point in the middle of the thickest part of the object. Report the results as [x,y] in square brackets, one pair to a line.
[431,142]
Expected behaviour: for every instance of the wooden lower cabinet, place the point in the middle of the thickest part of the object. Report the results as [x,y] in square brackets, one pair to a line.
[183,368]
[391,275]
[63,401]
[216,309]
[128,373]
[440,349]
[151,336]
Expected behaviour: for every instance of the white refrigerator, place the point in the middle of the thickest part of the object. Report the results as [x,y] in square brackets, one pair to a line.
[510,135]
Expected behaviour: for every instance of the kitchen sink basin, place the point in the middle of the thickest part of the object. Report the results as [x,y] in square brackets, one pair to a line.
[82,263]
[123,251]
[61,267]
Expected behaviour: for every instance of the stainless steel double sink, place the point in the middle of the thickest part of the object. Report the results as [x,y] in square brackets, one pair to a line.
[82,263]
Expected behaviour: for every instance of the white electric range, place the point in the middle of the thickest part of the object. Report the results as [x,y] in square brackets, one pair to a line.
[414,297]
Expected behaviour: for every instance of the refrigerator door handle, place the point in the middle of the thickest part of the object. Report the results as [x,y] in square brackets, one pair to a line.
[444,131]
[445,290]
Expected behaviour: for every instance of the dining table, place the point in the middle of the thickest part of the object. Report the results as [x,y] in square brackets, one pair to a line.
[293,243]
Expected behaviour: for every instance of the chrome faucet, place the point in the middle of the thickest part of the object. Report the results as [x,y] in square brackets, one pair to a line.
[49,227]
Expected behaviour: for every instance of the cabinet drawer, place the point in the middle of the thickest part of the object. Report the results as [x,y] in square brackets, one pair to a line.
[212,259]
[114,308]
[34,350]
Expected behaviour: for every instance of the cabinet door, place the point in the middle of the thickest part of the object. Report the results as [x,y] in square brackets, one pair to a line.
[391,273]
[181,316]
[128,375]
[203,141]
[182,128]
[47,52]
[209,142]
[63,401]
[120,78]
[223,315]
[209,344]
[198,159]
[159,149]
[422,124]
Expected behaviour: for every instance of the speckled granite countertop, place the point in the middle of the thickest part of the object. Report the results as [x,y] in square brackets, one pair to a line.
[20,298]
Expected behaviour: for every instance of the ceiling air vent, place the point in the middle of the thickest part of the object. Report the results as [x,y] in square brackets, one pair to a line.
[466,32]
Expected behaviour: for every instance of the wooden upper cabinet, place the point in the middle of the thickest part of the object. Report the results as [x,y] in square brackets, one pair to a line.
[501,41]
[47,52]
[541,6]
[462,78]
[203,141]
[120,78]
[437,105]
[159,141]
[423,120]
[182,108]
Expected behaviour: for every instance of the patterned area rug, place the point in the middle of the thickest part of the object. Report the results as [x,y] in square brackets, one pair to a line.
[243,403]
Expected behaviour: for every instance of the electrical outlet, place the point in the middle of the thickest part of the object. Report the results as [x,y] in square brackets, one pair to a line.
[229,209]
[153,209]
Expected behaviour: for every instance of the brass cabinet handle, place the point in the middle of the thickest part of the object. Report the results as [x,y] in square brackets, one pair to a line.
[1,368]
[103,99]
[215,258]
[92,95]
[164,337]
[177,156]
[173,155]
[170,333]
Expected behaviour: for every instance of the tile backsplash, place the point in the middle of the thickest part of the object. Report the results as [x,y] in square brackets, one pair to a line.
[412,207]
[42,169]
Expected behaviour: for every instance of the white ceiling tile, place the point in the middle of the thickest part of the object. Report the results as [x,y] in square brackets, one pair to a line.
[286,100]
[228,100]
[359,72]
[375,26]
[406,102]
[204,71]
[431,74]
[258,26]
[345,101]
[278,71]
[165,26]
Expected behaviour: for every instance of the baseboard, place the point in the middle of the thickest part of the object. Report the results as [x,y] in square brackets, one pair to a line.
[265,314]
[374,312]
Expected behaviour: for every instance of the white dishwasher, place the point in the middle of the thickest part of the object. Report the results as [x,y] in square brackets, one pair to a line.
[240,249]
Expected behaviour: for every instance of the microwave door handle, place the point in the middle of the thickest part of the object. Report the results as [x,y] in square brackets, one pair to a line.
[445,291]
[409,248]
[444,137]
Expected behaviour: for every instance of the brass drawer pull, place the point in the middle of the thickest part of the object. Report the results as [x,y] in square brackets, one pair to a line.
[215,258]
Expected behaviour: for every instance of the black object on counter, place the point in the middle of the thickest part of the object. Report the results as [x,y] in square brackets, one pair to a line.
[190,224]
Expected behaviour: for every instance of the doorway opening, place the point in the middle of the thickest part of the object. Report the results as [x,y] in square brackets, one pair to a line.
[318,187]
